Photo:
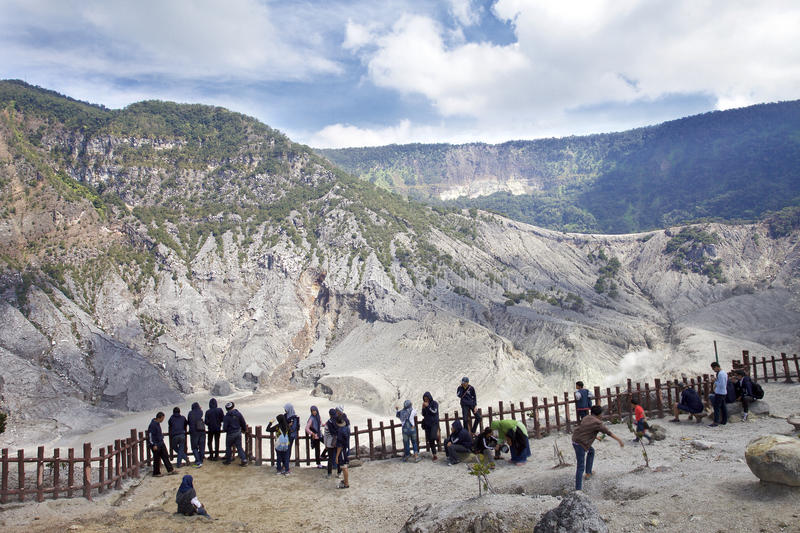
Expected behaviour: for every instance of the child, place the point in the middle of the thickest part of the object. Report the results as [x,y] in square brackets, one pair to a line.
[187,501]
[641,422]
[282,445]
[486,444]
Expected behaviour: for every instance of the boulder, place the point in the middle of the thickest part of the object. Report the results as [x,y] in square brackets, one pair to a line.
[775,458]
[575,514]
[493,513]
[794,420]
[702,444]
[222,388]
[658,431]
[758,407]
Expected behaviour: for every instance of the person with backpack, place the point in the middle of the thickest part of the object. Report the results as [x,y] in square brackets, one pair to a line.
[197,434]
[430,423]
[689,402]
[155,440]
[233,425]
[314,432]
[177,425]
[329,436]
[409,430]
[293,423]
[282,445]
[469,401]
[583,400]
[748,392]
[213,420]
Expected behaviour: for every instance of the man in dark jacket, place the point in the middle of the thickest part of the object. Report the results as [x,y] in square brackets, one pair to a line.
[213,420]
[469,401]
[177,435]
[155,440]
[430,423]
[233,425]
[690,402]
[197,434]
[744,391]
[459,442]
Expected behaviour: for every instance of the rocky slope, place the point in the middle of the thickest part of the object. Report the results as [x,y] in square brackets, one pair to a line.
[151,252]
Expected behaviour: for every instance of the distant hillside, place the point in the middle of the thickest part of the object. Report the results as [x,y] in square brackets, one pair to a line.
[727,165]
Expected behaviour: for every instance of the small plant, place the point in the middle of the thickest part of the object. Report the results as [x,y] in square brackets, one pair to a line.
[558,456]
[481,469]
[639,436]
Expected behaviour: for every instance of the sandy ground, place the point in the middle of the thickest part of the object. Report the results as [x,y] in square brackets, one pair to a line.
[685,489]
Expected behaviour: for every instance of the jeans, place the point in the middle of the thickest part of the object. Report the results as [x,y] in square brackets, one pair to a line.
[198,442]
[283,460]
[178,443]
[584,460]
[720,409]
[409,437]
[581,412]
[234,440]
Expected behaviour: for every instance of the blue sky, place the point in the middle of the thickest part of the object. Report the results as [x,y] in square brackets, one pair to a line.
[358,72]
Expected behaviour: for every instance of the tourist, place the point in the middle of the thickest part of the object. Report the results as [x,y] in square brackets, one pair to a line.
[641,422]
[187,501]
[314,432]
[197,434]
[342,448]
[583,400]
[407,415]
[177,435]
[340,409]
[430,423]
[516,435]
[233,425]
[582,439]
[213,420]
[458,443]
[293,422]
[720,395]
[746,395]
[329,435]
[690,402]
[486,444]
[469,402]
[155,439]
[282,445]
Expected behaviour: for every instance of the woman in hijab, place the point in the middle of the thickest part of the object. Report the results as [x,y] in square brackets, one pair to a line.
[516,435]
[187,501]
[314,432]
[293,421]
[406,416]
[282,446]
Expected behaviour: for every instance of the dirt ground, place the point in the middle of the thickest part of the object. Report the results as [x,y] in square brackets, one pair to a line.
[685,489]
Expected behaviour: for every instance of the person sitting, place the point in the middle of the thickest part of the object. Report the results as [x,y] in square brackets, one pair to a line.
[485,444]
[690,403]
[459,442]
[187,501]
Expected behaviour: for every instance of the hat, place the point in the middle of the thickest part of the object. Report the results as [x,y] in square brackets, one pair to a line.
[229,406]
[465,379]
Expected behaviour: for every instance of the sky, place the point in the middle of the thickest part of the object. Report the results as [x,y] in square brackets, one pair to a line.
[343,73]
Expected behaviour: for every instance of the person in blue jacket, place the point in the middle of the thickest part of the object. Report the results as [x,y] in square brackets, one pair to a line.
[459,442]
[213,420]
[197,434]
[430,423]
[233,425]
[583,400]
[177,435]
[469,401]
[155,440]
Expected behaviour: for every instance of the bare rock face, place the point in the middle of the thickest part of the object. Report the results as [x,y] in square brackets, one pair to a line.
[493,513]
[575,514]
[775,459]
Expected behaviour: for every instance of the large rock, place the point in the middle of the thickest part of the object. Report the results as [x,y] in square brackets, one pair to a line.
[493,513]
[575,514]
[222,388]
[758,407]
[775,458]
[658,431]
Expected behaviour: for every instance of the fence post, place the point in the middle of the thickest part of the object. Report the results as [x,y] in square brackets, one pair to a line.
[535,412]
[566,412]
[358,452]
[522,414]
[546,415]
[647,404]
[513,415]
[774,369]
[797,366]
[118,464]
[383,437]
[87,470]
[490,415]
[134,453]
[56,471]
[4,481]
[40,474]
[110,458]
[619,404]
[764,368]
[71,471]
[558,415]
[308,448]
[786,371]
[500,409]
[597,395]
[21,474]
[259,446]
[394,438]
[101,471]
[659,400]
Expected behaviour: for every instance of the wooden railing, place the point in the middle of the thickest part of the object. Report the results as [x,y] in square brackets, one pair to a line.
[103,469]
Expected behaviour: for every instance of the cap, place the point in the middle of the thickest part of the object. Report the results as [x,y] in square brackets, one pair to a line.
[465,379]
[229,406]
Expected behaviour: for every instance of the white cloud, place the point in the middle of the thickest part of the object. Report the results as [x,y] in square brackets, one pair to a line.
[463,12]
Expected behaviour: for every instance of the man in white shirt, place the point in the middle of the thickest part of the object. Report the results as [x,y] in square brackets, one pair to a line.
[720,394]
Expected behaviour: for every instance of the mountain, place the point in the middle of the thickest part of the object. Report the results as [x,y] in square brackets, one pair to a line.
[153,251]
[734,165]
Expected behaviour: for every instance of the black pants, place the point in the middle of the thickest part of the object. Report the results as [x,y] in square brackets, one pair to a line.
[581,412]
[746,402]
[315,447]
[331,459]
[432,439]
[454,450]
[160,454]
[213,445]
[720,409]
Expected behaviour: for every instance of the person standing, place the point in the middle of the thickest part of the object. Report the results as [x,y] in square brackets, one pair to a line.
[343,448]
[583,400]
[155,439]
[330,440]
[430,423]
[469,401]
[197,434]
[407,415]
[293,422]
[177,435]
[281,444]
[233,425]
[213,420]
[720,396]
[582,439]
[641,422]
[314,432]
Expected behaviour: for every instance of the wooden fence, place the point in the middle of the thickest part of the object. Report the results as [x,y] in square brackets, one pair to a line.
[103,469]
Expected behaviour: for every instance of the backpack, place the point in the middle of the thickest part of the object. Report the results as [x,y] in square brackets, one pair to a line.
[758,391]
[283,442]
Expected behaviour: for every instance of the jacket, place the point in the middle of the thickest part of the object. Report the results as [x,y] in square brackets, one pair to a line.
[583,399]
[177,425]
[233,423]
[430,414]
[195,419]
[155,437]
[460,435]
[214,416]
[691,400]
[468,396]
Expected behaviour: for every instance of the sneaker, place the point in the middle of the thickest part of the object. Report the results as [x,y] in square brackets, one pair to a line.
[328,476]
[243,463]
[675,420]
[744,417]
[158,475]
[343,486]
[417,458]
[713,425]
[405,459]
[322,466]
[172,473]
[435,458]
[198,465]
[226,462]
